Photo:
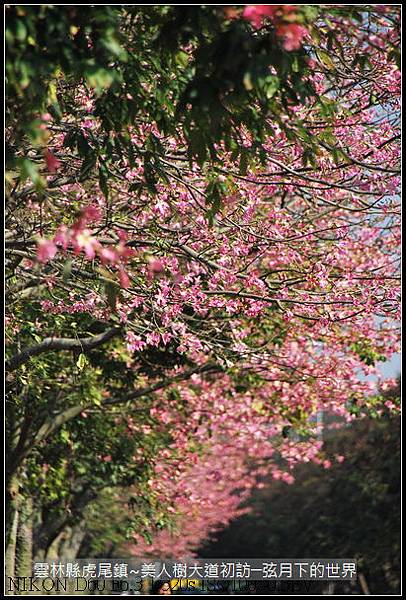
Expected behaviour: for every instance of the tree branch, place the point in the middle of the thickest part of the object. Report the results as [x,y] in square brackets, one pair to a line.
[57,421]
[49,344]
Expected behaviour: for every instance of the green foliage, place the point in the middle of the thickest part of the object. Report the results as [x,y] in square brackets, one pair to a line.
[215,191]
[199,76]
[96,454]
[366,352]
[55,40]
[186,67]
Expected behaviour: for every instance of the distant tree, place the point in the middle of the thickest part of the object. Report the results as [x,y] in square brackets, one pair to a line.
[350,510]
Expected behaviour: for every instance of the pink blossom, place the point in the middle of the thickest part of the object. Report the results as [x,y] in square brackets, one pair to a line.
[155,266]
[62,236]
[257,13]
[91,213]
[166,337]
[162,208]
[125,281]
[52,162]
[153,338]
[85,241]
[292,35]
[108,255]
[46,250]
[134,342]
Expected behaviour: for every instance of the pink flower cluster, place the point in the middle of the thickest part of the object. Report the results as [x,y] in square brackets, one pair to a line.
[290,33]
[80,239]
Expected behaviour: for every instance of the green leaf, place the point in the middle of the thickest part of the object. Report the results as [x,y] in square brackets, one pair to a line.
[243,162]
[21,30]
[99,78]
[272,86]
[325,59]
[112,291]
[29,170]
[182,59]
[65,435]
[213,194]
[113,46]
[198,147]
[82,362]
[87,165]
[67,269]
[103,179]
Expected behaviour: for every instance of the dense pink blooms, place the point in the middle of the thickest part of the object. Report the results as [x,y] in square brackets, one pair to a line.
[291,35]
[282,17]
[257,13]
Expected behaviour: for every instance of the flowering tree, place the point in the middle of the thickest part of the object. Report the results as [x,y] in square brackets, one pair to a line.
[230,243]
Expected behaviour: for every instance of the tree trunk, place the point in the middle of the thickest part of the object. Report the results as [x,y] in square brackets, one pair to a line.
[51,526]
[12,518]
[70,544]
[24,539]
[67,543]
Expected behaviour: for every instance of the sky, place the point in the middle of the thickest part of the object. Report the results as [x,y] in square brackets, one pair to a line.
[391,368]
